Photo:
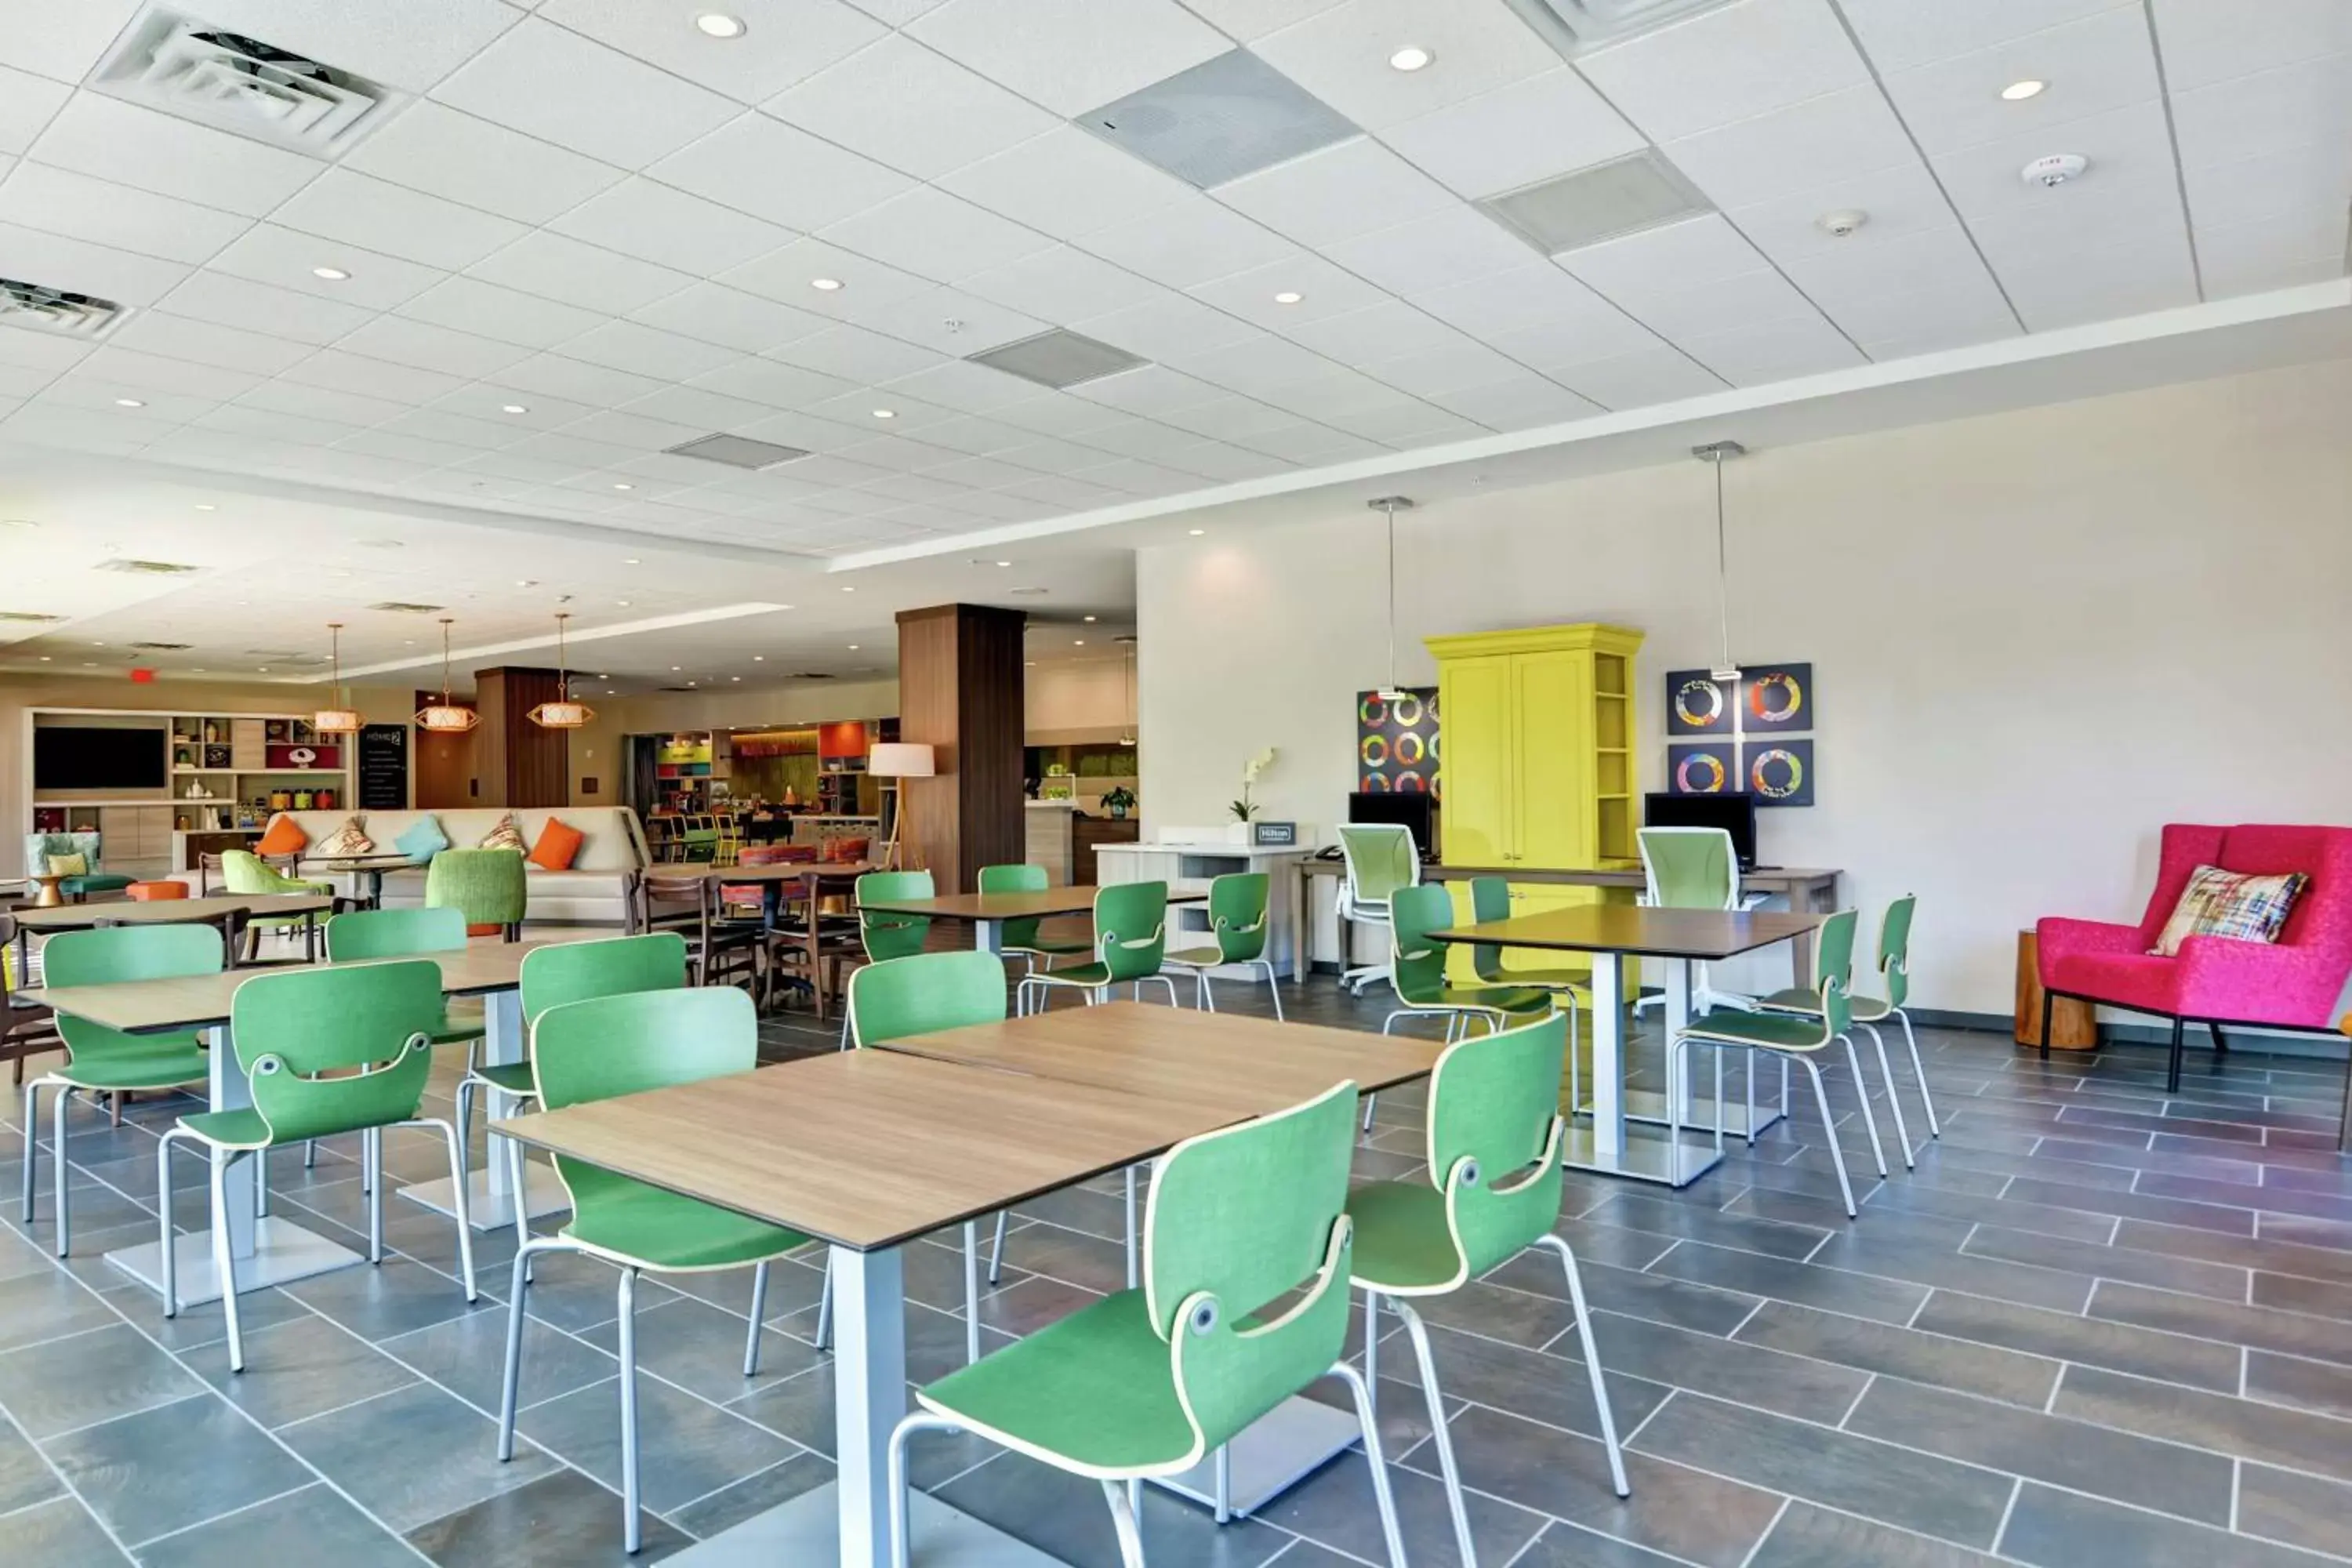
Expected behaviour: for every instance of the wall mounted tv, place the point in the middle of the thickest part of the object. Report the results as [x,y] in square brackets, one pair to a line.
[74,757]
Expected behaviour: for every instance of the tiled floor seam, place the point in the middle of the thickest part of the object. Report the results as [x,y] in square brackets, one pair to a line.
[65,1483]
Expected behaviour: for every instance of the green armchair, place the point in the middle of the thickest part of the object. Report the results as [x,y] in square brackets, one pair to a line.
[40,846]
[488,885]
[243,871]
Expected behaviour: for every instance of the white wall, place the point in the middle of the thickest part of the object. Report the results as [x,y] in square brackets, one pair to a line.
[2036,638]
[1080,694]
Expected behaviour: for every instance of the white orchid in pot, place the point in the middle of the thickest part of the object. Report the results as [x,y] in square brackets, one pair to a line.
[1246,809]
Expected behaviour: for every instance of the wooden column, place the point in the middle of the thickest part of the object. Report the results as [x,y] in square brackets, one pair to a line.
[519,764]
[959,692]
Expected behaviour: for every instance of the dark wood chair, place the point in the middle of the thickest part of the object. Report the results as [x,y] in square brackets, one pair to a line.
[25,1030]
[718,951]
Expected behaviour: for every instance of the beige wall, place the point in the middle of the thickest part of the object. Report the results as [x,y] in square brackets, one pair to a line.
[2036,638]
[1091,695]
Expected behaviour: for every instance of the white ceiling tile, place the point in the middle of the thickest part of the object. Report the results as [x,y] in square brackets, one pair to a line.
[1896,201]
[1324,289]
[947,321]
[1669,259]
[476,435]
[1062,282]
[1216,461]
[1070,55]
[699,407]
[2147,271]
[1599,331]
[414,450]
[978,436]
[1149,391]
[1538,293]
[1309,442]
[1137,477]
[1166,328]
[2206,41]
[470,305]
[562,88]
[1337,193]
[782,42]
[487,402]
[1248,19]
[338,372]
[789,276]
[1517,135]
[1066,183]
[1381,331]
[1059,414]
[1820,141]
[321,403]
[932,234]
[1341,56]
[2266,112]
[776,384]
[1778,349]
[267,254]
[343,205]
[429,347]
[2050,235]
[856,354]
[780,172]
[1147,439]
[2234,257]
[1732,63]
[574,273]
[208,342]
[60,41]
[1929,261]
[133,146]
[979,472]
[2222,283]
[2316,174]
[1259,362]
[1936,333]
[411,45]
[115,433]
[1719,306]
[56,262]
[431,147]
[39,351]
[1195,241]
[245,419]
[2097,63]
[1519,403]
[1433,252]
[27,102]
[17,382]
[1447,368]
[228,301]
[630,430]
[715,314]
[132,368]
[2128,148]
[909,416]
[1900,34]
[647,351]
[910,107]
[657,223]
[61,201]
[577,380]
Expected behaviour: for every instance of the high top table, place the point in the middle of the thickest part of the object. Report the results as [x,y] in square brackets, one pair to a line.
[1682,938]
[987,912]
[268,1250]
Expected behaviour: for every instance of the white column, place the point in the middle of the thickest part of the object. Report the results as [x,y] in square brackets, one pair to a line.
[504,1043]
[1608,1060]
[988,936]
[869,1377]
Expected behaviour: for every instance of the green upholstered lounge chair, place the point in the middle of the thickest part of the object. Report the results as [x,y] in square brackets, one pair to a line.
[1237,920]
[94,878]
[487,885]
[243,871]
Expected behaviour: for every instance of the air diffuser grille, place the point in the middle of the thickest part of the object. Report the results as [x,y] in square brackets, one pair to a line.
[1590,205]
[185,67]
[147,568]
[1058,359]
[1574,27]
[47,310]
[28,618]
[737,451]
[163,646]
[398,607]
[1224,118]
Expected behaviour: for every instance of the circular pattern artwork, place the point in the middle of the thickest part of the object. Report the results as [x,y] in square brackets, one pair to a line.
[1699,705]
[1396,741]
[1776,698]
[1700,772]
[1777,773]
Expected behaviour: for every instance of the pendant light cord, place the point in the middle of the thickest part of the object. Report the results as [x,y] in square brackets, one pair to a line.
[1722,565]
[1391,510]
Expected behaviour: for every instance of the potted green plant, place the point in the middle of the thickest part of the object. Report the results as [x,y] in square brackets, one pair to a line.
[1119,801]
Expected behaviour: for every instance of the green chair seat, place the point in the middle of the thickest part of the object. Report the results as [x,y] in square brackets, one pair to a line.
[229,1129]
[1093,1389]
[460,1021]
[1511,999]
[95,882]
[1089,975]
[654,1229]
[1805,999]
[146,1062]
[1197,957]
[1045,949]
[1577,981]
[1774,1031]
[508,1077]
[1403,1247]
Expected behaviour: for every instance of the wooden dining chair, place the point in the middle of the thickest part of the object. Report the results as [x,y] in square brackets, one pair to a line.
[719,952]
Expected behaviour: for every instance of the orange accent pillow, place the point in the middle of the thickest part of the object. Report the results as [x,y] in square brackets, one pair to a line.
[557,845]
[285,837]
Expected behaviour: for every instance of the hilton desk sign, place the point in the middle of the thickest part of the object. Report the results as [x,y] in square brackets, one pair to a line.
[1273,835]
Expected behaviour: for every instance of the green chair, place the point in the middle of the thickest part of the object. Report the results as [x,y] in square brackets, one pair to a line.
[1237,920]
[325,1051]
[883,937]
[487,886]
[629,1044]
[1792,1036]
[1492,1191]
[243,871]
[1490,899]
[1020,937]
[1130,943]
[1417,974]
[1243,1304]
[107,1061]
[1380,858]
[94,878]
[1895,975]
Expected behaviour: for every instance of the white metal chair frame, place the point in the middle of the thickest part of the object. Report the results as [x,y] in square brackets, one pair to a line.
[1703,996]
[1355,910]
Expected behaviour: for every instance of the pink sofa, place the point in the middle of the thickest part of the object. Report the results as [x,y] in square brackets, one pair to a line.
[2292,983]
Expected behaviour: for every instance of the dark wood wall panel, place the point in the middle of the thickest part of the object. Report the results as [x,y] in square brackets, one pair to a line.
[519,764]
[961,691]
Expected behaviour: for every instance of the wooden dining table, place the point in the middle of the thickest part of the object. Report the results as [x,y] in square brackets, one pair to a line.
[169,912]
[783,883]
[872,1150]
[987,913]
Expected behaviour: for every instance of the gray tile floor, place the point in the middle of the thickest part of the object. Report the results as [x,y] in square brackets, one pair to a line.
[2094,1326]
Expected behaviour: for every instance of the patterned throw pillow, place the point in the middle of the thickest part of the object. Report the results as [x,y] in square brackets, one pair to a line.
[2230,904]
[74,864]
[506,834]
[349,839]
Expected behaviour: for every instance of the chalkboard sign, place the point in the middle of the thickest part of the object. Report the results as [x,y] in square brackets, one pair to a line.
[383,767]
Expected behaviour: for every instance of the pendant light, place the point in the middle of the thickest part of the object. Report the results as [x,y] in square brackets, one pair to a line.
[562,713]
[444,716]
[1715,454]
[1390,505]
[335,719]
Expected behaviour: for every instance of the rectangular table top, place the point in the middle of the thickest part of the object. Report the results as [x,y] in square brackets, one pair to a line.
[781,871]
[1244,1065]
[867,1149]
[200,1001]
[367,862]
[1760,878]
[1632,930]
[1073,900]
[171,912]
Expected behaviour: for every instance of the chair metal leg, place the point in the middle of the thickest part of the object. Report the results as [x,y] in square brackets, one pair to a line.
[1861,1093]
[1438,1436]
[372,1156]
[169,1260]
[1372,1347]
[1371,1103]
[759,1311]
[1202,997]
[1273,986]
[510,1380]
[1169,981]
[309,1153]
[1223,1484]
[1134,1258]
[894,1475]
[1122,1521]
[970,1291]
[460,1197]
[2172,1074]
[261,1184]
[627,1307]
[59,1104]
[465,1116]
[1902,1132]
[996,1250]
[516,1168]
[2048,1001]
[825,1310]
[32,1147]
[1592,1362]
[1919,1071]
[1829,1131]
[224,1261]
[1381,1493]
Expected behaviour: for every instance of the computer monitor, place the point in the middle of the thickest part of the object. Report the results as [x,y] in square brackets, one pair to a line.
[1411,809]
[1734,814]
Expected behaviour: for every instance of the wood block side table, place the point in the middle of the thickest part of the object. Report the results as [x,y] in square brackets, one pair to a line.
[2072,1022]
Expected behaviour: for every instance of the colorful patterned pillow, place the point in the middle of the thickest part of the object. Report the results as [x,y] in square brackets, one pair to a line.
[349,839]
[506,834]
[2230,904]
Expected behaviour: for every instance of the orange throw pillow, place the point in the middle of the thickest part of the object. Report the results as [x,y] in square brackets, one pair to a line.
[285,837]
[558,844]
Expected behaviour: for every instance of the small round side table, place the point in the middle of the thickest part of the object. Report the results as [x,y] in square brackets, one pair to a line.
[46,897]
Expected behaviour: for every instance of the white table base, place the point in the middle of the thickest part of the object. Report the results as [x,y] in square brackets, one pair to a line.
[1282,1449]
[807,1530]
[1608,1145]
[503,1044]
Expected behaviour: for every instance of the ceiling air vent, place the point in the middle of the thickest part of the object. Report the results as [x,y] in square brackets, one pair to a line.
[58,311]
[27,618]
[1574,27]
[737,451]
[1224,118]
[181,65]
[163,646]
[397,607]
[147,568]
[1597,204]
[1058,359]
[810,675]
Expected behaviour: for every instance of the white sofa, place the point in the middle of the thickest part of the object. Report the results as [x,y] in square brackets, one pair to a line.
[594,892]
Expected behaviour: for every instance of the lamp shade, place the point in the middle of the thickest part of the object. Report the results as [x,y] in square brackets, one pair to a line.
[902,760]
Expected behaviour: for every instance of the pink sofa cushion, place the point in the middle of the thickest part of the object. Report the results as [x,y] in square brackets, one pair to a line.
[2126,979]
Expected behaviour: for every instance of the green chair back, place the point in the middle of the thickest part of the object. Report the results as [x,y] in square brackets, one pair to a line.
[1417,962]
[1833,970]
[243,871]
[924,993]
[580,971]
[1238,905]
[1131,928]
[1238,1219]
[1494,1134]
[627,1043]
[1381,860]
[1895,948]
[1690,868]
[1490,899]
[120,953]
[487,885]
[394,934]
[893,936]
[369,1026]
[1015,879]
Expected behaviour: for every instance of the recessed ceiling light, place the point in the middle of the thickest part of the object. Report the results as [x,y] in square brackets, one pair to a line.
[846,589]
[92,664]
[129,403]
[45,659]
[206,506]
[1411,57]
[514,408]
[2019,91]
[604,678]
[1196,532]
[623,485]
[719,25]
[758,659]
[674,669]
[885,414]
[853,648]
[331,274]
[631,561]
[1078,642]
[98,645]
[1090,619]
[622,603]
[783,606]
[689,683]
[261,669]
[826,284]
[1004,563]
[1033,664]
[734,678]
[526,582]
[1288,297]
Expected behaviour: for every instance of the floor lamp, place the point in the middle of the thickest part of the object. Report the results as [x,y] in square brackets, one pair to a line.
[893,761]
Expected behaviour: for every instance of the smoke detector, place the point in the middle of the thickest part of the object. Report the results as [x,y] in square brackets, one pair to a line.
[2055,171]
[1842,224]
